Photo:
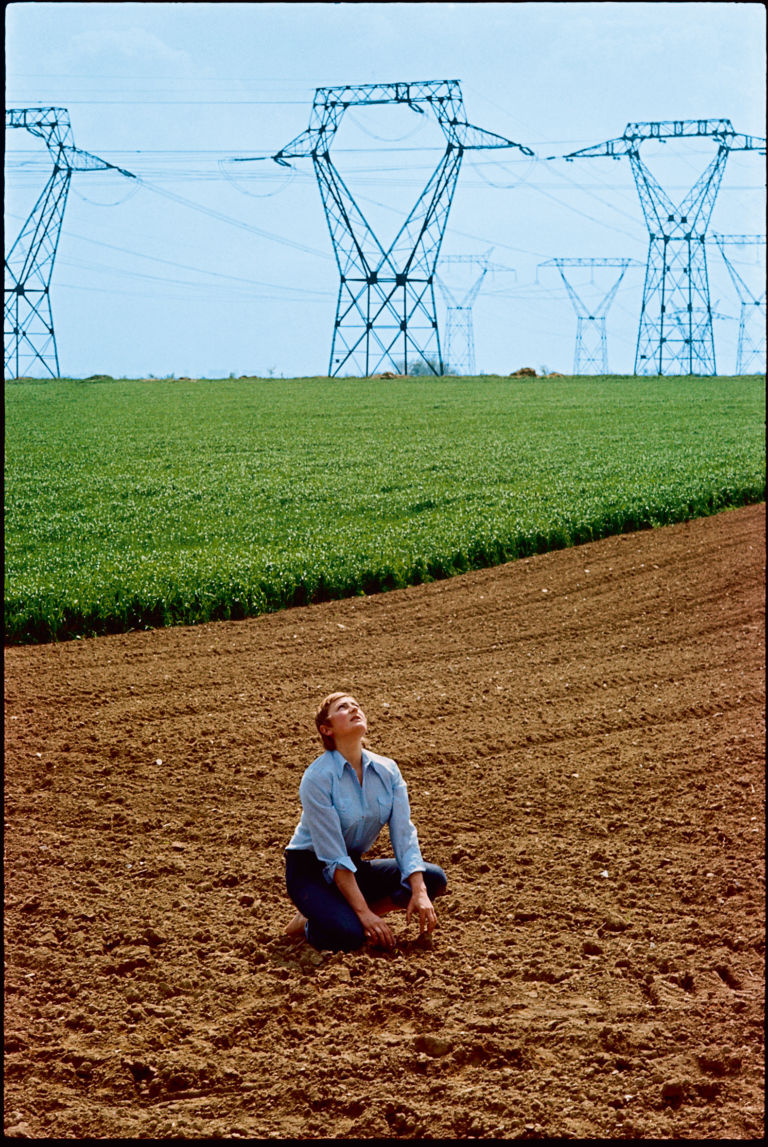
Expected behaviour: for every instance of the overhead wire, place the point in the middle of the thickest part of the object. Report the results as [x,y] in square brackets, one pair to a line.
[529,162]
[236,279]
[239,289]
[606,203]
[285,180]
[214,214]
[129,194]
[173,165]
[358,123]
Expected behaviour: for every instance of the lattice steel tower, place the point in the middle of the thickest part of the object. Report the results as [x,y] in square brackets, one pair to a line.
[29,339]
[385,312]
[459,355]
[675,334]
[750,353]
[591,354]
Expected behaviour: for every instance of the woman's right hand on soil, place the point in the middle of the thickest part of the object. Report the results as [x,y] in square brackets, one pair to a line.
[377,931]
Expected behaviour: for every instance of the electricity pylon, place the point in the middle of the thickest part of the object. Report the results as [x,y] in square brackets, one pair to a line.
[750,353]
[385,311]
[591,354]
[459,357]
[29,338]
[676,271]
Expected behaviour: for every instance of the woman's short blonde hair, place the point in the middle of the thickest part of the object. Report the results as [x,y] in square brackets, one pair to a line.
[321,718]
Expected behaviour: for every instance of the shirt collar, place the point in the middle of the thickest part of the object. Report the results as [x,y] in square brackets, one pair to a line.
[340,761]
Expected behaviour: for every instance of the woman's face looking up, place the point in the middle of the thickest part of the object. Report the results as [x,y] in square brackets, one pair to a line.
[344,717]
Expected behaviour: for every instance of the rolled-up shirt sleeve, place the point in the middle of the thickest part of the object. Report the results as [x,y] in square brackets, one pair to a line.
[402,832]
[322,820]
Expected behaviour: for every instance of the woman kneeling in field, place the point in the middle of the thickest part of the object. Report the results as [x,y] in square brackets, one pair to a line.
[347,795]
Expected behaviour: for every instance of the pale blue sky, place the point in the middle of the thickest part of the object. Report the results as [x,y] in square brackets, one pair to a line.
[209,267]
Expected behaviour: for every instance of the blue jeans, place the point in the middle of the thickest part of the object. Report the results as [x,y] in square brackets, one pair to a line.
[332,924]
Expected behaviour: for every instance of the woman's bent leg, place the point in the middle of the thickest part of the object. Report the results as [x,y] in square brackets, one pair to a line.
[380,880]
[332,924]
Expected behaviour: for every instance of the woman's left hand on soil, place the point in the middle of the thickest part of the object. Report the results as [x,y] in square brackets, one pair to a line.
[421,906]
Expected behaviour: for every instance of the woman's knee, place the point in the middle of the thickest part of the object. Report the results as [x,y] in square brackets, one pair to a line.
[337,936]
[435,880]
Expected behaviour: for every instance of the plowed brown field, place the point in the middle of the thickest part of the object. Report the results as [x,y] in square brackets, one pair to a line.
[583,738]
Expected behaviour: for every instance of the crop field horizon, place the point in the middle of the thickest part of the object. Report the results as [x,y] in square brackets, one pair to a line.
[136,504]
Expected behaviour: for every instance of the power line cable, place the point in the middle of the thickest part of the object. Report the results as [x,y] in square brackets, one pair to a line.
[286,178]
[131,190]
[182,266]
[132,102]
[214,214]
[206,288]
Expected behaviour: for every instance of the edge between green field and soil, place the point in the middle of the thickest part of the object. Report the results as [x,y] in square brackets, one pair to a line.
[137,504]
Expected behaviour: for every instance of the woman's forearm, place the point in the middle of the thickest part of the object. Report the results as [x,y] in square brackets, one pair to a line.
[376,929]
[350,890]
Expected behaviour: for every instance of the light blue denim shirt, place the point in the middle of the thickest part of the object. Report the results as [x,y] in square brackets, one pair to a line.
[339,815]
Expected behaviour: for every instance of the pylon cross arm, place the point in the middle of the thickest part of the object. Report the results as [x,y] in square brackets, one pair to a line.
[77,160]
[302,147]
[50,124]
[53,127]
[742,290]
[614,148]
[471,138]
[746,143]
[568,262]
[678,128]
[738,240]
[443,98]
[635,133]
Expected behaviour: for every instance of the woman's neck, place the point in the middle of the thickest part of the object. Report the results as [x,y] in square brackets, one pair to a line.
[352,751]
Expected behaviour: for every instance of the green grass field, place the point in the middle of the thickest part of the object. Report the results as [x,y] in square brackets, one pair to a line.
[137,504]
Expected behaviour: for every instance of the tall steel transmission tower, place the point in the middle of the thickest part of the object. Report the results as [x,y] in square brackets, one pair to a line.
[591,354]
[29,339]
[385,311]
[750,353]
[459,355]
[676,281]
